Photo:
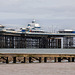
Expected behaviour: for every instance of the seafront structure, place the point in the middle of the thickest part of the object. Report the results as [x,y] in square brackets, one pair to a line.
[34,38]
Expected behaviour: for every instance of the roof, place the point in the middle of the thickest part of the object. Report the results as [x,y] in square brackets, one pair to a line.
[56,34]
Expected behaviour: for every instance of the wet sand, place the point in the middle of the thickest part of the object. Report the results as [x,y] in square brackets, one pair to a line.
[38,69]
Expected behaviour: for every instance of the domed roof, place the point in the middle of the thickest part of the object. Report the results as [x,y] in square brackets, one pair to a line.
[33,21]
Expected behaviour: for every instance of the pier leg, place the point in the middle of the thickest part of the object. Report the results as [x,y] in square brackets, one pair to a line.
[24,59]
[69,59]
[54,59]
[39,59]
[14,59]
[72,59]
[59,59]
[45,59]
[7,60]
[30,59]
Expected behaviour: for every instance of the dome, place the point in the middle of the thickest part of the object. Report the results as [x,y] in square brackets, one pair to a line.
[33,21]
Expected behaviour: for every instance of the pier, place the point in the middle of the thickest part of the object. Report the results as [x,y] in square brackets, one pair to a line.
[39,55]
[30,47]
[37,40]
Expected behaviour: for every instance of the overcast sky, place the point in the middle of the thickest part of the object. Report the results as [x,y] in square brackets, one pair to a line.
[59,14]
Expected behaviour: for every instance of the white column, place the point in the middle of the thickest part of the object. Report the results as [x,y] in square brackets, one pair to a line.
[61,42]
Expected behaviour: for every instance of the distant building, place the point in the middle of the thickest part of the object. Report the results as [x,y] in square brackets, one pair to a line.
[66,31]
[1,27]
[34,27]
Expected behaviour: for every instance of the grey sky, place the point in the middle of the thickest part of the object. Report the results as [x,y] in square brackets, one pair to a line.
[47,12]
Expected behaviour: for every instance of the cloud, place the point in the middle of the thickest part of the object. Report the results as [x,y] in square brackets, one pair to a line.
[57,12]
[51,9]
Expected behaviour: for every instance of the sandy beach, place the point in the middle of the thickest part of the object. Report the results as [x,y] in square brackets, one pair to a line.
[38,69]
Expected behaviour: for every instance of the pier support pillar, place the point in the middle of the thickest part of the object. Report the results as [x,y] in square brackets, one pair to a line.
[39,59]
[68,59]
[7,61]
[14,59]
[72,59]
[54,59]
[59,59]
[62,42]
[24,59]
[30,59]
[45,59]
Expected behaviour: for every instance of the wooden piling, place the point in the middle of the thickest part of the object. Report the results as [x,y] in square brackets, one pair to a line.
[30,59]
[39,59]
[72,59]
[14,59]
[24,59]
[59,59]
[68,59]
[7,61]
[45,59]
[54,59]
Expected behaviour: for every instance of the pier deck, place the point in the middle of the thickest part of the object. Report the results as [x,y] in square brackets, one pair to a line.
[37,51]
[41,55]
